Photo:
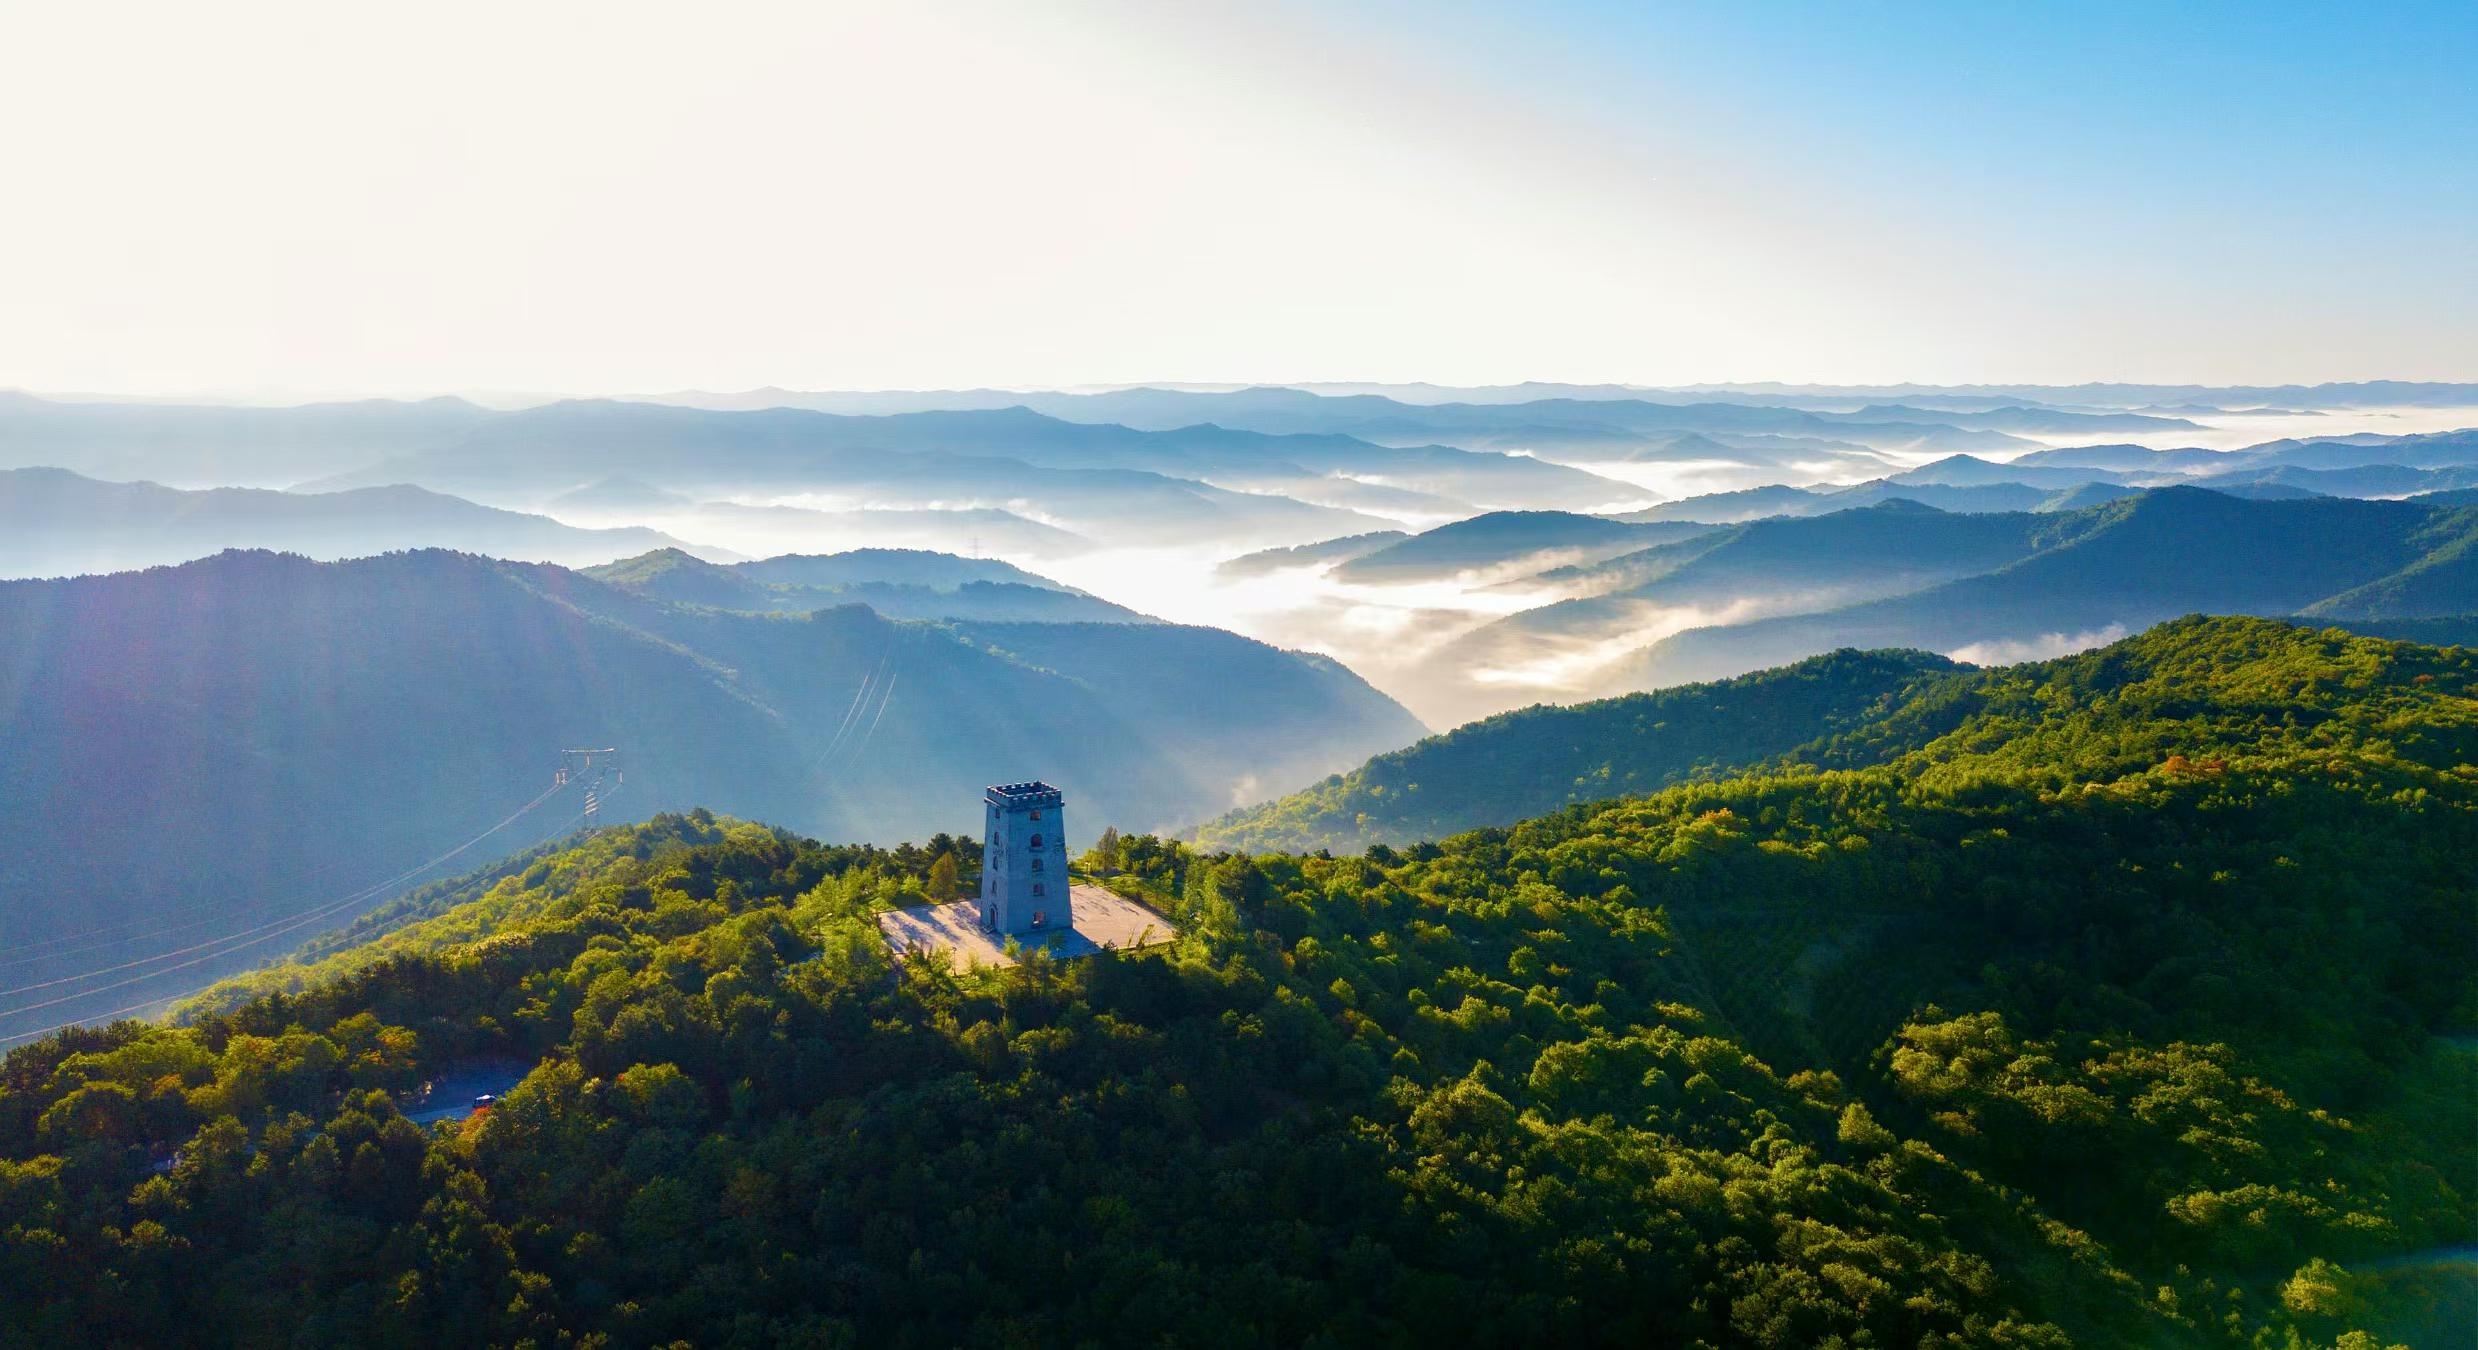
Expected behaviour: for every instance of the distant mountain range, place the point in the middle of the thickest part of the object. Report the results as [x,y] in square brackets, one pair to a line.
[57,523]
[2355,465]
[1965,397]
[1557,417]
[210,445]
[253,734]
[2064,568]
[2118,568]
[916,461]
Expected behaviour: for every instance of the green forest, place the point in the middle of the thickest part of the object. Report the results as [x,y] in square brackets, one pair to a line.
[2124,999]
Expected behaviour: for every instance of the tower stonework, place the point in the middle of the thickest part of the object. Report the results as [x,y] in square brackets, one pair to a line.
[1024,887]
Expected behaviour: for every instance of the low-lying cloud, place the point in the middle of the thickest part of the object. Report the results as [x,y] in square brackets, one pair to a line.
[2014,651]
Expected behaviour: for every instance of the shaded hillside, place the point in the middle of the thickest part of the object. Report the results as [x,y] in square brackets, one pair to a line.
[248,737]
[1727,508]
[2443,581]
[898,583]
[1501,540]
[2134,1025]
[1971,471]
[892,566]
[57,523]
[1249,704]
[1894,545]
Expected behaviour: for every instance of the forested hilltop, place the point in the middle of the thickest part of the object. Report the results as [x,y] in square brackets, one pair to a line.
[1843,709]
[1502,769]
[2116,1001]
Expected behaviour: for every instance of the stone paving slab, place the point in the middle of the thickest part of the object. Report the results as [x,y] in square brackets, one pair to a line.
[1103,918]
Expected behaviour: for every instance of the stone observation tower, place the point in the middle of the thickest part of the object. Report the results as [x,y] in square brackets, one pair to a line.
[1024,887]
[1027,903]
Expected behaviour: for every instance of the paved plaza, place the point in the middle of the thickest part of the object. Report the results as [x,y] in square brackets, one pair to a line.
[1103,918]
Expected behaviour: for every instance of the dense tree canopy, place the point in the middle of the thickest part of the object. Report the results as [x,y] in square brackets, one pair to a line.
[2112,1002]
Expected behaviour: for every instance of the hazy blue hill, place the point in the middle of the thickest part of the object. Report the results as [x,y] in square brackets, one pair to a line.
[1971,471]
[213,446]
[1971,498]
[1207,451]
[2429,450]
[621,496]
[1527,763]
[1741,573]
[1606,445]
[54,522]
[254,733]
[1894,542]
[668,574]
[2357,394]
[1309,555]
[699,450]
[1242,702]
[1729,508]
[2132,459]
[2260,491]
[1481,477]
[2365,480]
[2112,568]
[1502,539]
[2087,494]
[898,583]
[929,528]
[2031,421]
[901,566]
[1756,503]
[1550,414]
[1912,430]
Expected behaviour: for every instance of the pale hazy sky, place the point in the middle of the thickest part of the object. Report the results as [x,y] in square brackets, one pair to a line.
[327,198]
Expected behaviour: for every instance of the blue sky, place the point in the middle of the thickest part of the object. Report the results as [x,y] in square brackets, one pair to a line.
[2340,129]
[574,197]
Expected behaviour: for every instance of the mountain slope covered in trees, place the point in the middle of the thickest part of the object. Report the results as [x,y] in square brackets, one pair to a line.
[235,740]
[1519,764]
[1845,709]
[2120,1013]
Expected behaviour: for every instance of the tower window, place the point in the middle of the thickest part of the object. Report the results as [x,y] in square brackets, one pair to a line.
[1036,813]
[1036,864]
[1036,841]
[1038,889]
